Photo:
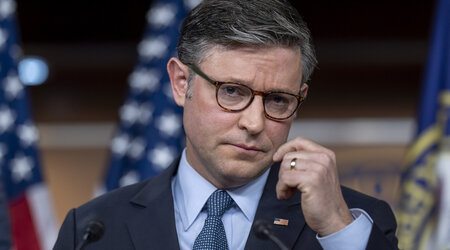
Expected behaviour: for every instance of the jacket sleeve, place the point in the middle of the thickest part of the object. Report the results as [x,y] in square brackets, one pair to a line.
[383,229]
[67,233]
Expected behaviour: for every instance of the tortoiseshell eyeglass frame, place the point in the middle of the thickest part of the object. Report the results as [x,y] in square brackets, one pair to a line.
[217,84]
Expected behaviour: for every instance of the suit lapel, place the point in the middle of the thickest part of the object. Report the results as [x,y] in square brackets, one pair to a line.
[270,208]
[152,225]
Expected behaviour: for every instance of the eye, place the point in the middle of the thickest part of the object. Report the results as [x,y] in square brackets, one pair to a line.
[278,99]
[280,104]
[231,90]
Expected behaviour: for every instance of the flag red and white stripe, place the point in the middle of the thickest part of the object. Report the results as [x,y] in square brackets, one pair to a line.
[30,209]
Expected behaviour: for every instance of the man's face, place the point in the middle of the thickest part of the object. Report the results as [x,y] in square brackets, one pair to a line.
[230,149]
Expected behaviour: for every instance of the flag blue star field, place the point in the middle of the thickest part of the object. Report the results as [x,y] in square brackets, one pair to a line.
[32,221]
[150,133]
[424,216]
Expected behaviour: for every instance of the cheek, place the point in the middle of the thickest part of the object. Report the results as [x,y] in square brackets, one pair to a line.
[204,117]
[278,133]
[203,114]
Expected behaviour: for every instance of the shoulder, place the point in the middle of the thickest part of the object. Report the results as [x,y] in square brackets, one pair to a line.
[384,222]
[140,192]
[113,200]
[357,199]
[112,209]
[119,193]
[380,211]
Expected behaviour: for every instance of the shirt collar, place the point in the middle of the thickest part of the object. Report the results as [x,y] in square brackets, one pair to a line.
[191,191]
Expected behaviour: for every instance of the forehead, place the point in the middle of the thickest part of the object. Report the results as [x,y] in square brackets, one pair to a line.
[255,65]
[213,50]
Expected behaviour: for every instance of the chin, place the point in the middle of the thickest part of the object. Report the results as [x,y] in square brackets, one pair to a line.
[244,172]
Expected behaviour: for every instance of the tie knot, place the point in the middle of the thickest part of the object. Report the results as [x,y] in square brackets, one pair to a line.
[218,203]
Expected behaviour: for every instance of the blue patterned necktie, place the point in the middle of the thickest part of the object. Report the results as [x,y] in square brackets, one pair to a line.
[213,234]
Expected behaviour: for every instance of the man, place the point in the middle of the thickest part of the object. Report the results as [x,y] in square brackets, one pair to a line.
[240,76]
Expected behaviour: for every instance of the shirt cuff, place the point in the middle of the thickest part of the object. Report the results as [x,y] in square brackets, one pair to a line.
[352,237]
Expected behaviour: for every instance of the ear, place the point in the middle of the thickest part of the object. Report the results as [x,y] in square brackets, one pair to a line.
[304,89]
[178,74]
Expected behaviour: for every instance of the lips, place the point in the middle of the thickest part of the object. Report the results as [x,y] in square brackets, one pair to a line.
[247,147]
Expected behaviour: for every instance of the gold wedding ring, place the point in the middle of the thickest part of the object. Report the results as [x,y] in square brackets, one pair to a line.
[293,163]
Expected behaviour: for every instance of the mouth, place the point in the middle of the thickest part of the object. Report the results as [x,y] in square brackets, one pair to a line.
[247,148]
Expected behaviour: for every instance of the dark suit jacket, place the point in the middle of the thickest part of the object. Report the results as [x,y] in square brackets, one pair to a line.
[5,227]
[141,216]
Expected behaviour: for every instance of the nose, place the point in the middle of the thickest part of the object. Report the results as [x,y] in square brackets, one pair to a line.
[252,118]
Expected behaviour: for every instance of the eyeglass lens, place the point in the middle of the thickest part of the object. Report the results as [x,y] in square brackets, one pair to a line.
[236,97]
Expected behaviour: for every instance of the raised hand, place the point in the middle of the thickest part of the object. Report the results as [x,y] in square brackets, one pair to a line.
[311,168]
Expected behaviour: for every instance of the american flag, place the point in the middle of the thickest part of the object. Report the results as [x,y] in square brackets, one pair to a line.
[281,222]
[31,214]
[150,133]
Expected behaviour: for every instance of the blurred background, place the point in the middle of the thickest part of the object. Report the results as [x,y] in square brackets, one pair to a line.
[362,101]
[371,56]
[371,61]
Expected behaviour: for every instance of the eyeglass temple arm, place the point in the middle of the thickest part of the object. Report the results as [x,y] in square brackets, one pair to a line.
[200,73]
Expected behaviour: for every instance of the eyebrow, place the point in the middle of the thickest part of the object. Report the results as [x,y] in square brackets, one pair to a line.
[249,84]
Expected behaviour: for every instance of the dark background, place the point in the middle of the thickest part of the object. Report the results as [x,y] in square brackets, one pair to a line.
[371,56]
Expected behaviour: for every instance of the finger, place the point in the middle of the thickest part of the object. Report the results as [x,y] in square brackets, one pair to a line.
[292,181]
[289,164]
[309,166]
[306,175]
[286,185]
[284,192]
[303,173]
[299,144]
[317,157]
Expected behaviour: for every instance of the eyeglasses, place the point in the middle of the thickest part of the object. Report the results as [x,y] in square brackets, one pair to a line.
[236,97]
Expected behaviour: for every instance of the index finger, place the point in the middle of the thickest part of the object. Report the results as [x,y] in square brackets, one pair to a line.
[298,144]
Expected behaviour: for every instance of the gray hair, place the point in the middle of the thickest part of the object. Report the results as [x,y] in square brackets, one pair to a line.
[245,23]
